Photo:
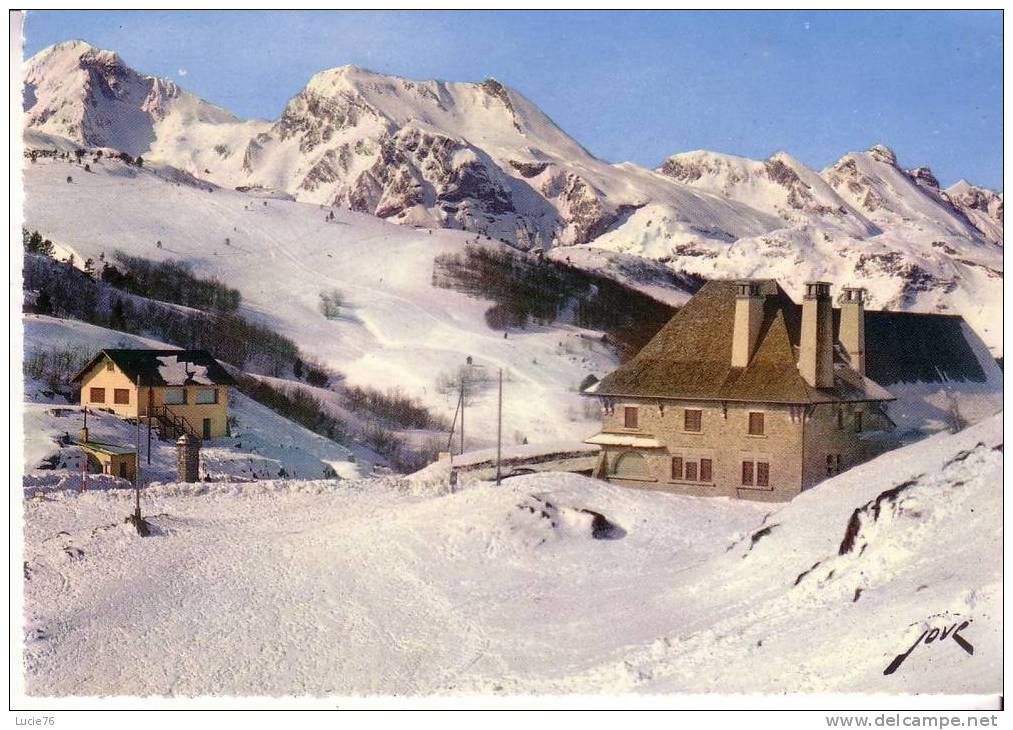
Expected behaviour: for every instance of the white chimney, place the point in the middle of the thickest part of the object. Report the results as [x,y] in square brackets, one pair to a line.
[816,349]
[852,329]
[748,315]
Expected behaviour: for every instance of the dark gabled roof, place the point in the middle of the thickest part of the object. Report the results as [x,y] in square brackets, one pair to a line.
[690,357]
[905,347]
[147,365]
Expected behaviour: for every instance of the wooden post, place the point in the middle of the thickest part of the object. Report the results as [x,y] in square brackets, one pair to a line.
[151,403]
[137,463]
[499,427]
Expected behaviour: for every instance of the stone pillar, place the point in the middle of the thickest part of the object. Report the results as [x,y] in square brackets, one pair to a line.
[187,458]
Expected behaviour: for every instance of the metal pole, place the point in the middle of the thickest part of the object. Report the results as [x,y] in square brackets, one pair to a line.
[462,413]
[137,463]
[499,427]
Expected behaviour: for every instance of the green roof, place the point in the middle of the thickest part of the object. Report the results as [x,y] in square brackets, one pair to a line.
[150,367]
[105,448]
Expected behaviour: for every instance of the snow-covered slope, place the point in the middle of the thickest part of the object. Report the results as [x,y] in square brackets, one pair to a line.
[984,208]
[395,329]
[359,587]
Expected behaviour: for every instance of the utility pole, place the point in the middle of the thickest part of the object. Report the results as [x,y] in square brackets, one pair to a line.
[462,411]
[151,403]
[138,522]
[499,427]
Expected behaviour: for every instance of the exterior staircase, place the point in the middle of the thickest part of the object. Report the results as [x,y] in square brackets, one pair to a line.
[171,425]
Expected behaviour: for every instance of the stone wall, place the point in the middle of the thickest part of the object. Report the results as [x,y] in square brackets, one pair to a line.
[724,438]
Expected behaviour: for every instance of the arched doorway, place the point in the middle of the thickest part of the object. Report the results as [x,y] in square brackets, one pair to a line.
[631,465]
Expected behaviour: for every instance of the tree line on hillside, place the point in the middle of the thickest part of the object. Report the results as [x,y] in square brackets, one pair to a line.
[530,289]
[66,291]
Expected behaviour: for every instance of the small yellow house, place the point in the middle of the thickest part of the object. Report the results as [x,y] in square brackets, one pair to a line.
[103,458]
[182,391]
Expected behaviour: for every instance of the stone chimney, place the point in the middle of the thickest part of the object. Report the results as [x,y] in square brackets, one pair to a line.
[748,315]
[852,330]
[816,349]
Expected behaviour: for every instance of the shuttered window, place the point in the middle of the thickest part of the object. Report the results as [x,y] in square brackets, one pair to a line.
[630,417]
[97,395]
[762,474]
[706,470]
[747,473]
[676,467]
[691,473]
[755,424]
[121,396]
[858,421]
[692,420]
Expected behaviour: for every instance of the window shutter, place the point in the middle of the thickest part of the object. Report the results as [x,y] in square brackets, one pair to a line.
[691,471]
[630,417]
[747,473]
[706,469]
[676,467]
[762,474]
[756,424]
[692,420]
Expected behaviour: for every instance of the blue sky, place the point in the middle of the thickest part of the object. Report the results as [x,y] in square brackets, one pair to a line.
[633,86]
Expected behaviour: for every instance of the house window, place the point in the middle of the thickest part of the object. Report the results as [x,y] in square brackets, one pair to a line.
[692,469]
[755,424]
[97,395]
[109,366]
[833,464]
[858,421]
[706,470]
[121,396]
[692,420]
[207,395]
[174,396]
[756,473]
[630,417]
[840,419]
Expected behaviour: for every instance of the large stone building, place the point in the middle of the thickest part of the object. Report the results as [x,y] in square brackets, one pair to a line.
[182,391]
[745,394]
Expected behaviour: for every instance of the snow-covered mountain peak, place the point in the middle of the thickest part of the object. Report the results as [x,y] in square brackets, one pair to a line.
[882,153]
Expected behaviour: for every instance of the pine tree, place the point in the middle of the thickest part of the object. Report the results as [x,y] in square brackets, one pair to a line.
[118,318]
[89,267]
[43,304]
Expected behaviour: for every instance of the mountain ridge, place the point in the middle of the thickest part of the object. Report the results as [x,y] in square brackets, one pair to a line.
[483,158]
